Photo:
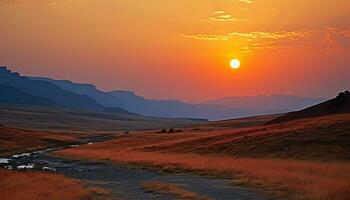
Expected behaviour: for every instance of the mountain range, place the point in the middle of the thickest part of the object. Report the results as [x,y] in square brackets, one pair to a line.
[266,103]
[47,91]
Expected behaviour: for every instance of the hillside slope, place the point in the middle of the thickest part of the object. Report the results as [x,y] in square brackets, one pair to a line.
[340,104]
[268,103]
[14,140]
[320,138]
[11,95]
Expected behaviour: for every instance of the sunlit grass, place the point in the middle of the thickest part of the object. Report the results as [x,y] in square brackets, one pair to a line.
[213,152]
[171,189]
[43,186]
[315,180]
[13,140]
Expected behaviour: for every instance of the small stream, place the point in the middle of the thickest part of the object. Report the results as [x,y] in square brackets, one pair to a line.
[124,181]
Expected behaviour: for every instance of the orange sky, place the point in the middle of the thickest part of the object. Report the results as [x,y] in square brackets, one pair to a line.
[182,49]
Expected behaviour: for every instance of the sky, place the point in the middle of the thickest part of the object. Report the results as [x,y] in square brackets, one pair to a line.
[182,49]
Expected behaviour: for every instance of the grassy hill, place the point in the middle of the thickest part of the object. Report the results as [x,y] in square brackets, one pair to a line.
[78,120]
[340,104]
[321,138]
[14,140]
[301,159]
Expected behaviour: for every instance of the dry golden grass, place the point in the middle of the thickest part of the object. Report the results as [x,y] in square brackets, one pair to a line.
[236,123]
[312,179]
[43,186]
[19,140]
[216,152]
[171,189]
[323,138]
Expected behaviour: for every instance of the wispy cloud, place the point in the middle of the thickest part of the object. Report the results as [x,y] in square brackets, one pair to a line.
[222,16]
[218,12]
[269,35]
[246,1]
[205,37]
[327,38]
[245,35]
[28,1]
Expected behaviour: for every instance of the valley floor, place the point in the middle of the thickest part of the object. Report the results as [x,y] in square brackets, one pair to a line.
[123,181]
[37,185]
[303,159]
[286,160]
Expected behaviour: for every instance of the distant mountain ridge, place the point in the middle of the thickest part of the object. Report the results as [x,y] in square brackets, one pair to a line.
[340,104]
[86,96]
[46,90]
[90,90]
[264,103]
[177,109]
[11,95]
[157,108]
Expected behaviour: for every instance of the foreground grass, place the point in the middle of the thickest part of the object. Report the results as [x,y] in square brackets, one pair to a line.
[312,180]
[284,158]
[43,186]
[171,189]
[13,140]
[321,139]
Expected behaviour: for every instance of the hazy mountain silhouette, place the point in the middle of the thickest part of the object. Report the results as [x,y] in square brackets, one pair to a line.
[175,108]
[158,108]
[47,90]
[268,103]
[214,110]
[11,95]
[340,104]
[89,90]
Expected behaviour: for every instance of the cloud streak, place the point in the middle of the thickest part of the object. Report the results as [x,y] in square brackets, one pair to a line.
[246,35]
[321,39]
[205,37]
[222,16]
[28,1]
[246,1]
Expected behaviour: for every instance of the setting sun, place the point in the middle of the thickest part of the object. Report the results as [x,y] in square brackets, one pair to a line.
[219,87]
[235,63]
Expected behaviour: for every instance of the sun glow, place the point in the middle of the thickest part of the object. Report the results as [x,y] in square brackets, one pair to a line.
[235,63]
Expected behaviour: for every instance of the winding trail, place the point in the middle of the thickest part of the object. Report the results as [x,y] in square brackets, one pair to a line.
[124,181]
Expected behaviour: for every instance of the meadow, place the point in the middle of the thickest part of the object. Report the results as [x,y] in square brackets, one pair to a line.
[14,140]
[61,119]
[171,189]
[305,159]
[35,185]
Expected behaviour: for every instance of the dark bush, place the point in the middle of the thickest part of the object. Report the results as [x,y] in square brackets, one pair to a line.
[171,130]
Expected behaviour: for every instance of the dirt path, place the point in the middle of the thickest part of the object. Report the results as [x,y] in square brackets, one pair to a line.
[126,182]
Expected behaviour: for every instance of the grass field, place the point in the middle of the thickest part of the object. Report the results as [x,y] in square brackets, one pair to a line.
[172,190]
[322,138]
[236,123]
[76,120]
[34,185]
[20,140]
[40,127]
[283,159]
